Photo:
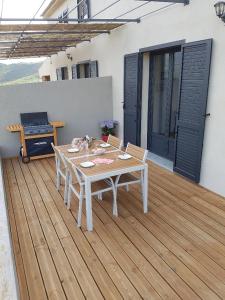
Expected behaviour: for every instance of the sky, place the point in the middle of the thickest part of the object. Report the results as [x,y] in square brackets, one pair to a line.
[21,9]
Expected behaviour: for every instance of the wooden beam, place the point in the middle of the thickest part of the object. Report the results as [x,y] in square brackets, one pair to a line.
[185,2]
[53,40]
[67,20]
[56,32]
[57,27]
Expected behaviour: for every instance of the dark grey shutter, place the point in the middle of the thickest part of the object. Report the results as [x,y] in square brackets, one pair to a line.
[132,96]
[93,68]
[190,126]
[65,74]
[59,74]
[74,72]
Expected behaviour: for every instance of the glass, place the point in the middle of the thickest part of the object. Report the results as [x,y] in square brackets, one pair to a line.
[175,92]
[160,93]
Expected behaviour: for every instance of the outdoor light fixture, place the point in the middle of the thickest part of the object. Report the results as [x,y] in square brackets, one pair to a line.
[69,56]
[220,10]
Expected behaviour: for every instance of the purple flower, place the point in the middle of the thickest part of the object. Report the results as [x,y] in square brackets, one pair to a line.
[108,123]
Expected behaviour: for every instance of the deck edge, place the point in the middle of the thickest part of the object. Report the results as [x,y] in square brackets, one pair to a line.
[8,279]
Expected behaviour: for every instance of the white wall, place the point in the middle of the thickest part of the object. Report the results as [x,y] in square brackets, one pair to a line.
[8,280]
[81,104]
[192,22]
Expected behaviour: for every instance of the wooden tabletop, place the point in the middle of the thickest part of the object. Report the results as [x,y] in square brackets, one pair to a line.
[64,150]
[99,169]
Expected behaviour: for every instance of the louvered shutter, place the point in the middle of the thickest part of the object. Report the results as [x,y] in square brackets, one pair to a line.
[59,74]
[132,96]
[93,69]
[74,72]
[190,126]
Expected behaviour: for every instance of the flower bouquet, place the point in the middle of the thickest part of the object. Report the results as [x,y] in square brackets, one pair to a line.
[108,127]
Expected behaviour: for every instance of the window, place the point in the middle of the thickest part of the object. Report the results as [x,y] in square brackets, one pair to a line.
[46,78]
[83,9]
[63,16]
[87,69]
[62,73]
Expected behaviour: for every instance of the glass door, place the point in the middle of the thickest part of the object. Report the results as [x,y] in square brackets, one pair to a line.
[163,101]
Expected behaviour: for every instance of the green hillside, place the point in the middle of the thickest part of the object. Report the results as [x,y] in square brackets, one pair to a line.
[18,73]
[25,79]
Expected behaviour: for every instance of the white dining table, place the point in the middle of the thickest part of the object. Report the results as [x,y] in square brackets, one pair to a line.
[104,171]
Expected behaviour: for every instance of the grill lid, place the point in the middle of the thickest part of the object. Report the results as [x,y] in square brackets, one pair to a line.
[34,119]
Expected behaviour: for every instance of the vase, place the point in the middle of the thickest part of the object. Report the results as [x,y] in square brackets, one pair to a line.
[105,138]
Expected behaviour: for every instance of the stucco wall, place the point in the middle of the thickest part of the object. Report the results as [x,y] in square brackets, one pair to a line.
[8,280]
[193,22]
[81,104]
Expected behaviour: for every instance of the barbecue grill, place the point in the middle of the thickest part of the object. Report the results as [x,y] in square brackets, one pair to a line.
[36,135]
[36,127]
[35,123]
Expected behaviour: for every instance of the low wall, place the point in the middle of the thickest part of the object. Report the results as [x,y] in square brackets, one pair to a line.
[8,282]
[81,104]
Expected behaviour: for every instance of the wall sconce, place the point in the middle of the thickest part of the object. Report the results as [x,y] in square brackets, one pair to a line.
[69,56]
[220,10]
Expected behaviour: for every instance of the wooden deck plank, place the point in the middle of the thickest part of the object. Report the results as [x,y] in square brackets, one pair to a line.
[130,269]
[206,212]
[49,273]
[163,289]
[194,233]
[176,251]
[186,267]
[33,274]
[197,268]
[113,269]
[21,277]
[66,281]
[109,261]
[101,277]
[181,240]
[169,274]
[215,228]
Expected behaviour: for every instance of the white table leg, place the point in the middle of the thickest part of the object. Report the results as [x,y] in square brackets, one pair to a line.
[145,189]
[88,204]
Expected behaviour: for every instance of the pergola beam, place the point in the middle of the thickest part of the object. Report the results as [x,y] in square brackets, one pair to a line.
[55,32]
[185,2]
[54,41]
[46,41]
[34,47]
[67,20]
[40,53]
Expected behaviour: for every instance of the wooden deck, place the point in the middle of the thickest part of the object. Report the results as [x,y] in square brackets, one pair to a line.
[176,251]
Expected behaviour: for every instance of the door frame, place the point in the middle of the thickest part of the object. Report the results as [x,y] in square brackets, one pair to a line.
[139,96]
[152,50]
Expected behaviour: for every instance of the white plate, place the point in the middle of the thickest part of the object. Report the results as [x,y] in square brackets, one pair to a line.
[105,145]
[87,164]
[124,156]
[73,150]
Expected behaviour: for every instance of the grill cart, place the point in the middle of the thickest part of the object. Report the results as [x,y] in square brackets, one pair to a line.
[36,135]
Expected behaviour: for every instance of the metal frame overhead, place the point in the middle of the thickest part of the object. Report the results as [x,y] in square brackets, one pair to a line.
[28,40]
[185,2]
[46,36]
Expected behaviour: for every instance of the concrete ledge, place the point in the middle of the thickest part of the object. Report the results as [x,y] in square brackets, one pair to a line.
[8,280]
